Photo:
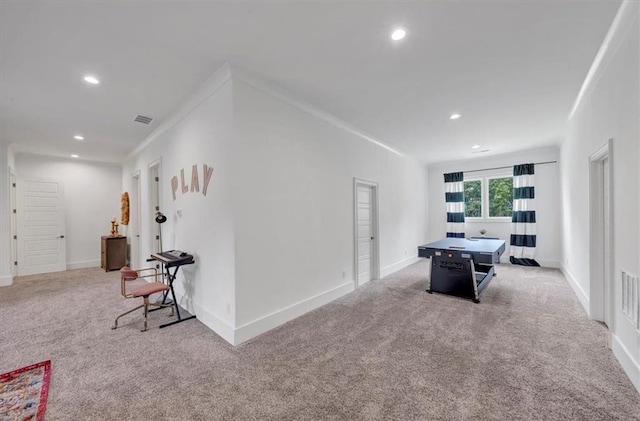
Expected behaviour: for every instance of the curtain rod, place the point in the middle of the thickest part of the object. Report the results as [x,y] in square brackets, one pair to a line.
[510,166]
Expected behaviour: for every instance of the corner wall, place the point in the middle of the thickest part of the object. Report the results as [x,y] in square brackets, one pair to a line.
[273,238]
[199,134]
[609,109]
[293,208]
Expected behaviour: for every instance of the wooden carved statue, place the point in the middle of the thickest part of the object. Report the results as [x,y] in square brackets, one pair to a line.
[114,227]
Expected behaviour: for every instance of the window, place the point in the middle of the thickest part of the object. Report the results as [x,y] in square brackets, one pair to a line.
[500,197]
[488,197]
[473,199]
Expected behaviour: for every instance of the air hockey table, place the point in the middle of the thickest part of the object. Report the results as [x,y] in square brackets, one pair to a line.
[462,267]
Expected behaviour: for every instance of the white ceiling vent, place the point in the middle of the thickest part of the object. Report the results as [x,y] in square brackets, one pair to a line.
[143,119]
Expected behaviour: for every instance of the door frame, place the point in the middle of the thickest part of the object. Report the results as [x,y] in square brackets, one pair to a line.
[21,270]
[375,244]
[13,197]
[135,220]
[154,169]
[596,235]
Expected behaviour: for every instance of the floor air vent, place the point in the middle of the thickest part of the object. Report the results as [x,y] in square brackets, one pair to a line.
[143,119]
[631,297]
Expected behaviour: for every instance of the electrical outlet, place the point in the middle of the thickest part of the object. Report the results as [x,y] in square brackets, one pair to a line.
[228,308]
[344,274]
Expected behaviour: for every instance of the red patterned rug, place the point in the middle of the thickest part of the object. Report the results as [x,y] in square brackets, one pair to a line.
[23,392]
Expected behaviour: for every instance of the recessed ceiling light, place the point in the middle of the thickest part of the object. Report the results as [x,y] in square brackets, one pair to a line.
[74,156]
[398,34]
[455,116]
[78,137]
[91,79]
[475,146]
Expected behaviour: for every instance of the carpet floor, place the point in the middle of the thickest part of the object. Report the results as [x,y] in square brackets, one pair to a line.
[388,351]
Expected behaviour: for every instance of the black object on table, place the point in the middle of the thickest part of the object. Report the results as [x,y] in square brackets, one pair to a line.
[173,259]
[462,267]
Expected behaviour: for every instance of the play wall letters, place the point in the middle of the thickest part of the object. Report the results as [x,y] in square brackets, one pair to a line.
[207,171]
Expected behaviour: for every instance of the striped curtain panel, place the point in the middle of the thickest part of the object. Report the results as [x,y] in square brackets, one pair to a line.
[454,196]
[523,222]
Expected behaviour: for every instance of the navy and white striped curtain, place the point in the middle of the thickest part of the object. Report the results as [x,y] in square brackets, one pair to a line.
[523,222]
[454,196]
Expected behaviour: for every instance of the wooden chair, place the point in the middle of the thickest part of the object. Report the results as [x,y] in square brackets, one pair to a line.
[131,289]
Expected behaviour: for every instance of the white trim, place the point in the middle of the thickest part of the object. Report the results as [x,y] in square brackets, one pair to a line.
[13,220]
[5,281]
[260,85]
[210,320]
[607,45]
[208,88]
[154,192]
[596,229]
[577,289]
[213,322]
[263,324]
[549,263]
[394,267]
[375,248]
[629,365]
[83,264]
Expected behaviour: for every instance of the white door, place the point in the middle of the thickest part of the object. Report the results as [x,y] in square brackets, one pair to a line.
[41,228]
[154,206]
[606,245]
[14,224]
[365,233]
[134,214]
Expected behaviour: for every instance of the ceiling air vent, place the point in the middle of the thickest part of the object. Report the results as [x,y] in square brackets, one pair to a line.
[142,119]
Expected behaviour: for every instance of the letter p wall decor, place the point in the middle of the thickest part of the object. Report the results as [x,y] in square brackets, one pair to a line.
[194,187]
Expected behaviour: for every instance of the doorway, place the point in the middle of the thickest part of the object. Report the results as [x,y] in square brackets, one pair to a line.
[134,240]
[600,244]
[41,227]
[154,206]
[366,263]
[14,223]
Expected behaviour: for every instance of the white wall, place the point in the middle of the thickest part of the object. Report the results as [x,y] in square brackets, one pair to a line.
[199,133]
[547,200]
[92,194]
[274,234]
[293,208]
[609,109]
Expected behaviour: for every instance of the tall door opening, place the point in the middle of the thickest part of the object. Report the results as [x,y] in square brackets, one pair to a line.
[606,258]
[41,227]
[366,231]
[14,223]
[134,222]
[154,206]
[601,295]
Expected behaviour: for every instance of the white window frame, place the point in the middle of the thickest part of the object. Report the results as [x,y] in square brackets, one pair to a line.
[484,197]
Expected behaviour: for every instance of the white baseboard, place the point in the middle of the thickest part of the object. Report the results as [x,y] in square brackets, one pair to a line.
[630,366]
[252,329]
[549,263]
[213,322]
[5,281]
[83,264]
[388,270]
[577,289]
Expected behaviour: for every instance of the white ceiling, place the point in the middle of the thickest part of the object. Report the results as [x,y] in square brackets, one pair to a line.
[511,68]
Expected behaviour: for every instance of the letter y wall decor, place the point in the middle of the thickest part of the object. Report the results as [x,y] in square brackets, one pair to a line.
[194,186]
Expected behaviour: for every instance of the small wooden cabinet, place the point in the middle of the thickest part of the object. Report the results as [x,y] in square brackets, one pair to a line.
[114,252]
